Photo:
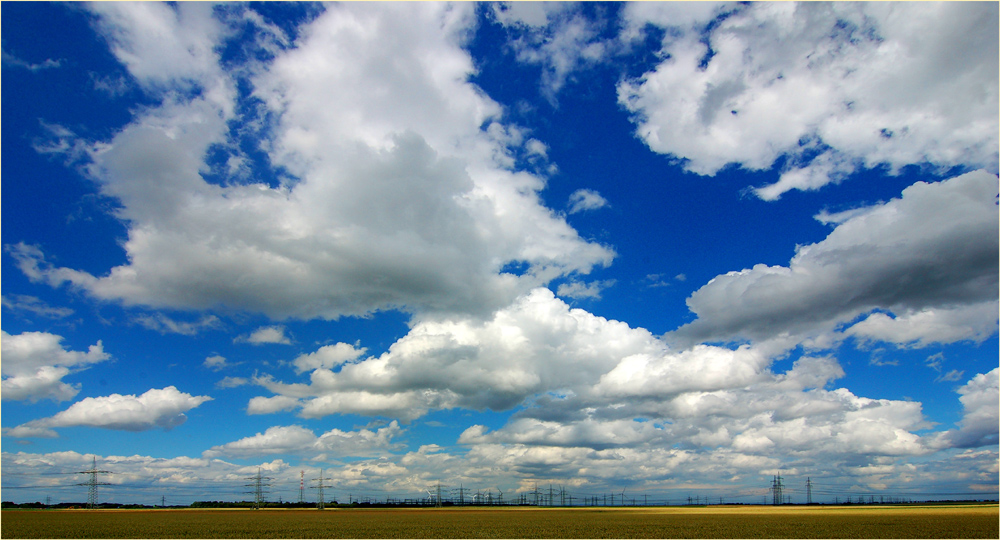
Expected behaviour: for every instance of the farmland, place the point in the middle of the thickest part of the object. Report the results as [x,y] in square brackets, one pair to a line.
[930,521]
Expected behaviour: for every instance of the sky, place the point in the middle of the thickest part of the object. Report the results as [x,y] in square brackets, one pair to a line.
[660,251]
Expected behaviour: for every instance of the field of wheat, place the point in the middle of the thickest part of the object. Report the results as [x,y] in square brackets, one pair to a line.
[931,521]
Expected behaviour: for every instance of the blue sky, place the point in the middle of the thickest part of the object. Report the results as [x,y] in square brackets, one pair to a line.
[674,249]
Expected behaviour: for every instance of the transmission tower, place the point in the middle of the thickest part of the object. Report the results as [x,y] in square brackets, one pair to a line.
[321,504]
[809,491]
[259,488]
[302,485]
[776,488]
[93,483]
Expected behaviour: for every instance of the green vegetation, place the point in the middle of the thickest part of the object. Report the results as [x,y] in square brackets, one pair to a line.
[940,521]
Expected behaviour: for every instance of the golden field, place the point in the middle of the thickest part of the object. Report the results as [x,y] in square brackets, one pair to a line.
[911,521]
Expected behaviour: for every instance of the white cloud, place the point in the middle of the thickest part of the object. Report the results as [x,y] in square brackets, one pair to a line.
[163,45]
[702,368]
[684,15]
[398,192]
[232,382]
[592,384]
[34,364]
[268,405]
[328,357]
[215,362]
[951,376]
[266,334]
[31,304]
[975,322]
[833,87]
[164,325]
[30,432]
[536,345]
[709,436]
[928,257]
[579,290]
[582,200]
[156,408]
[532,14]
[298,440]
[554,35]
[980,422]
[48,63]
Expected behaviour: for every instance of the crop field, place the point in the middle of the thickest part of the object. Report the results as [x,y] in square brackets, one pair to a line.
[930,521]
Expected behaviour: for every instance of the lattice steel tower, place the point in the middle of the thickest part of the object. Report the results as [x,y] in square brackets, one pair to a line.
[321,504]
[93,483]
[776,488]
[259,488]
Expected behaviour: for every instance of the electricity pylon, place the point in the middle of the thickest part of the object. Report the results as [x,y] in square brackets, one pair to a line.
[321,504]
[93,483]
[259,488]
[776,488]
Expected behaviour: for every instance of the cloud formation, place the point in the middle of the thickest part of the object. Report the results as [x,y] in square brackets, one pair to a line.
[830,88]
[980,399]
[582,200]
[274,334]
[397,191]
[34,364]
[297,440]
[156,408]
[555,36]
[929,257]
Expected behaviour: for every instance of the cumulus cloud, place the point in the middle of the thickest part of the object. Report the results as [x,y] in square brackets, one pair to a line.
[161,45]
[266,334]
[980,399]
[920,328]
[582,200]
[928,257]
[708,435]
[829,87]
[297,440]
[328,357]
[401,198]
[215,362]
[156,408]
[273,404]
[583,383]
[535,345]
[34,364]
[676,15]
